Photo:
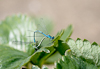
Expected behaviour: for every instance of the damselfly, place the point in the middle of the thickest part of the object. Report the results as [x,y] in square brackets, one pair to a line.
[35,41]
[46,36]
[42,25]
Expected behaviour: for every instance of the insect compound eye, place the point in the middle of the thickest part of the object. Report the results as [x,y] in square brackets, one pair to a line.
[53,37]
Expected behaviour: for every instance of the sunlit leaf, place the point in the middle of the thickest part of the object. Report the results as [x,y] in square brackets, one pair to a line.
[16,28]
[85,50]
[58,36]
[72,62]
[67,33]
[11,58]
[35,67]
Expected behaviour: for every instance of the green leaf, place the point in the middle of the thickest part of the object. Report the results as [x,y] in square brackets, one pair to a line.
[52,58]
[72,62]
[11,58]
[15,28]
[31,49]
[62,47]
[40,56]
[88,52]
[57,37]
[59,45]
[35,67]
[67,33]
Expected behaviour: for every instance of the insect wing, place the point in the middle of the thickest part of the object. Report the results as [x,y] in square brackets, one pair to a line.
[44,25]
[21,43]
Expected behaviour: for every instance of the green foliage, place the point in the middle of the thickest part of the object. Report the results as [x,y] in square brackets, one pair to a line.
[75,54]
[85,50]
[11,58]
[39,56]
[72,62]
[36,67]
[59,44]
[15,28]
[14,58]
[62,47]
[12,23]
[67,33]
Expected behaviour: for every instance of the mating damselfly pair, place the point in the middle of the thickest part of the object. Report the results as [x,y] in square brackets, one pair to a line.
[37,34]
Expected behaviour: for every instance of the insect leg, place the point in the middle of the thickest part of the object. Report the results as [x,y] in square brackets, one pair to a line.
[41,42]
